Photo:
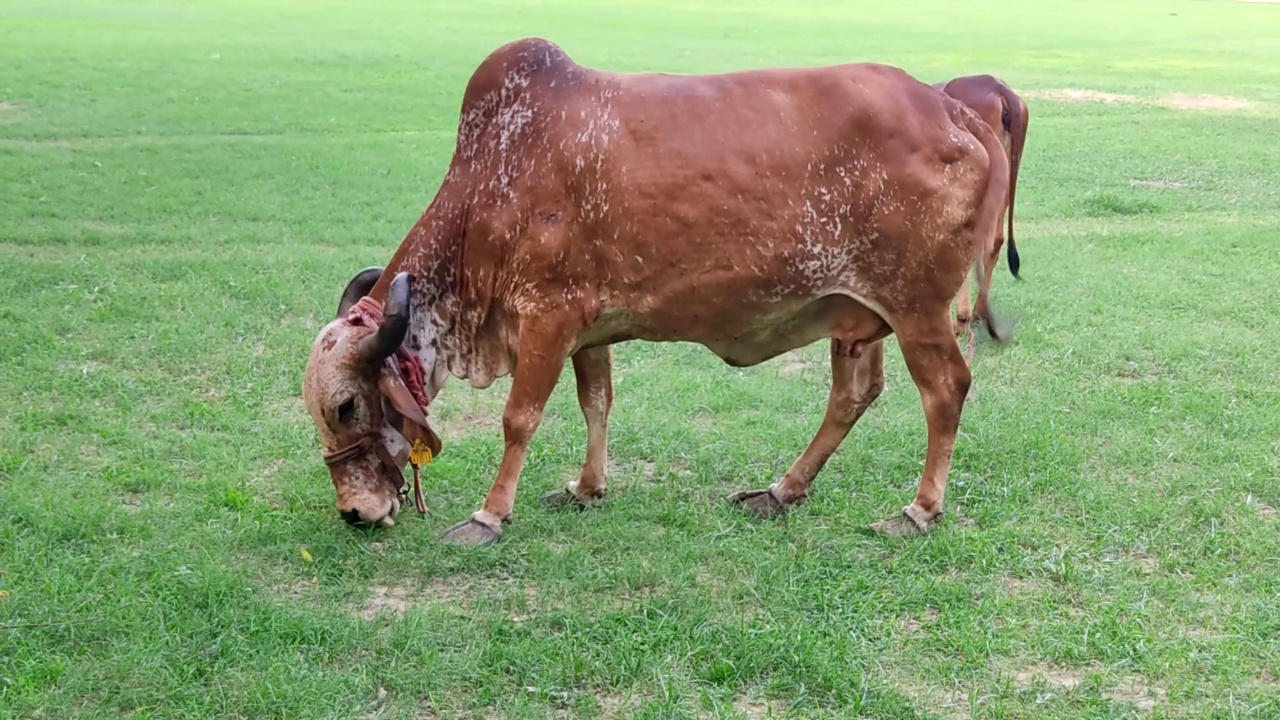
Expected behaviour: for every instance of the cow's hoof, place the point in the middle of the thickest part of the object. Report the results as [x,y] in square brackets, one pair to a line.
[761,502]
[566,497]
[905,526]
[471,533]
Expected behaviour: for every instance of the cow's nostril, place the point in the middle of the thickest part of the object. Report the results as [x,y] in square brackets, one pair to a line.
[351,516]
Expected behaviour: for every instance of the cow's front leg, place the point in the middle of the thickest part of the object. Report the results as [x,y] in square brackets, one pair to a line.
[855,383]
[538,365]
[934,360]
[593,369]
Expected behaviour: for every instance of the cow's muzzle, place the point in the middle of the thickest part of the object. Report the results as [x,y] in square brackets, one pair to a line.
[394,474]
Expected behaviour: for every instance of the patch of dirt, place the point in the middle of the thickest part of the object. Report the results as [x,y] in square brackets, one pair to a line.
[1178,101]
[615,707]
[136,501]
[757,709]
[273,468]
[85,367]
[704,421]
[1160,184]
[30,144]
[1058,678]
[385,598]
[9,112]
[378,701]
[1201,634]
[792,363]
[620,600]
[1138,558]
[1135,691]
[792,367]
[469,422]
[531,601]
[953,702]
[298,589]
[464,411]
[1076,95]
[1016,585]
[947,702]
[914,625]
[454,591]
[105,227]
[1267,510]
[1146,564]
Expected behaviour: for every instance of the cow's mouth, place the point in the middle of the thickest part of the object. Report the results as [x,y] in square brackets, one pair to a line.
[355,519]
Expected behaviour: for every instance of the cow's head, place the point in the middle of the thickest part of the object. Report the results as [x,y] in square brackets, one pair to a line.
[366,415]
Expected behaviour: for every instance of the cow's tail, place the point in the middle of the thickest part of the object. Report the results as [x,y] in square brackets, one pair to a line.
[1015,122]
[988,217]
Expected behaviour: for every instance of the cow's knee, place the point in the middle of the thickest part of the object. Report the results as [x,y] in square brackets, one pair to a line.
[518,426]
[954,389]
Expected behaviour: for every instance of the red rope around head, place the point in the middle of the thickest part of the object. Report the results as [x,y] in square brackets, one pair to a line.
[368,312]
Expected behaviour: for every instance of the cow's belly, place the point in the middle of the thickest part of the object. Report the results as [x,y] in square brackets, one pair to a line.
[742,332]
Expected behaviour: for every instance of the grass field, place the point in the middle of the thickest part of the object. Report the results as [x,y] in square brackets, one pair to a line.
[187,187]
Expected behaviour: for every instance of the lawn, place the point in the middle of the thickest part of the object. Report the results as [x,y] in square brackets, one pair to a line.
[187,187]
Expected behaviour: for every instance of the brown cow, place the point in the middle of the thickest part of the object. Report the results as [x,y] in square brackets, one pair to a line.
[753,212]
[1007,114]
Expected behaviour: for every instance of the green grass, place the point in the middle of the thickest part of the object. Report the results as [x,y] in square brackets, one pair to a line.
[186,189]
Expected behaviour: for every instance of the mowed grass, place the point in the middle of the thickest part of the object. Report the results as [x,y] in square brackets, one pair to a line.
[187,188]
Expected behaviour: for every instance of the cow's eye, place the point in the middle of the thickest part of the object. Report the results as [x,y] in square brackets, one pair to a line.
[346,409]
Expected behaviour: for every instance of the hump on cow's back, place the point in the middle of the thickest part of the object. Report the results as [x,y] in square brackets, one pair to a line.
[517,67]
[527,58]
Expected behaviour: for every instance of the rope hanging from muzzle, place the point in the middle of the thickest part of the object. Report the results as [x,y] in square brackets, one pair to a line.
[367,312]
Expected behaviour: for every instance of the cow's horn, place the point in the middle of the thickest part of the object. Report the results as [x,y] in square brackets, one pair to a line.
[359,286]
[395,320]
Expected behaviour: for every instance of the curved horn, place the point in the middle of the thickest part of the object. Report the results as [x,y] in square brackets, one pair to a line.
[395,321]
[359,286]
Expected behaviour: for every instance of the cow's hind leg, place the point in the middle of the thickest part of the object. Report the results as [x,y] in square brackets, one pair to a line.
[857,378]
[964,309]
[938,368]
[593,369]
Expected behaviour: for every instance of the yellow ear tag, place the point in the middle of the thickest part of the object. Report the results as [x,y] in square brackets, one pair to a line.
[420,454]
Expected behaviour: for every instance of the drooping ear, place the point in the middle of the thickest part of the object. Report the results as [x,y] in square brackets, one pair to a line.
[415,425]
[397,393]
[395,321]
[359,286]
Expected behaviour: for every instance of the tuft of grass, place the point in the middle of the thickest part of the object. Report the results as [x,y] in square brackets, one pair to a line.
[187,189]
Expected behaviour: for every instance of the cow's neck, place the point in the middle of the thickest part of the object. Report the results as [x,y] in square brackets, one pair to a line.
[447,321]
